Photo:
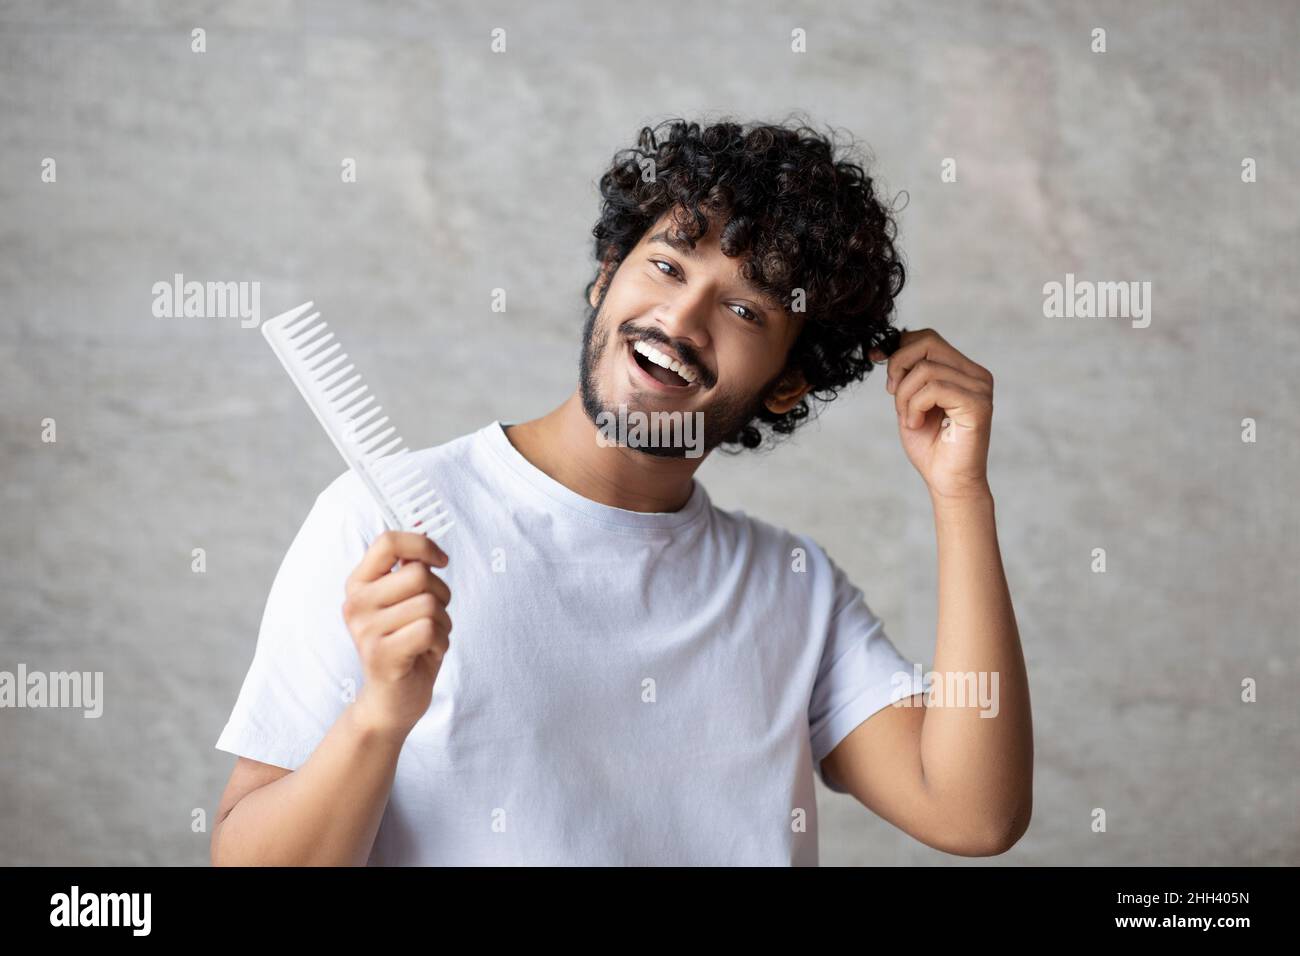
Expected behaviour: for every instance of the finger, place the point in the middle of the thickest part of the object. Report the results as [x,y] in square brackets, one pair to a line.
[929,344]
[392,656]
[418,636]
[407,581]
[926,371]
[889,339]
[903,338]
[390,546]
[956,401]
[390,620]
[923,345]
[877,355]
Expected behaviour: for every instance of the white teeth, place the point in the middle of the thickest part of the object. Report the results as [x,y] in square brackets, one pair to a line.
[659,358]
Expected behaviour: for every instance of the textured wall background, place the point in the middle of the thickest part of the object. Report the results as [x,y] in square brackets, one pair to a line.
[477,170]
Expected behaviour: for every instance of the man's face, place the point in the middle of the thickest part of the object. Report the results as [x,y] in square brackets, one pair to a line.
[691,307]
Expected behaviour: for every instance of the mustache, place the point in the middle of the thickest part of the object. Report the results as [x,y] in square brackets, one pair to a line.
[684,349]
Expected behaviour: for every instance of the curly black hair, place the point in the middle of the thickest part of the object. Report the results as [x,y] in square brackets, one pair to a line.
[802,217]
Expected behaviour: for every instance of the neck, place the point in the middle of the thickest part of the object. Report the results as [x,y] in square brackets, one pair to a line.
[562,444]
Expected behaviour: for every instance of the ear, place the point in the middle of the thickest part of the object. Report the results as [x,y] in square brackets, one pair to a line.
[787,393]
[602,281]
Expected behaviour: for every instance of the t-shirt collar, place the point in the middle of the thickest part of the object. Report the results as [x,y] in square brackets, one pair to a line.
[496,439]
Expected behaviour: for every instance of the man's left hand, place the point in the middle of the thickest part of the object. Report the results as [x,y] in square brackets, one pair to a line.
[944,403]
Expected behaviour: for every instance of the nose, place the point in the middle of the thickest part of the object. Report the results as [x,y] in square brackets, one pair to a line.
[685,317]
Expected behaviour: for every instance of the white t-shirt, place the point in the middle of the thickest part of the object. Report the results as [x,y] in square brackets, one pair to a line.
[621,687]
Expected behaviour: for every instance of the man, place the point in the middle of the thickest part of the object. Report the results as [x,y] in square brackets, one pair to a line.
[637,676]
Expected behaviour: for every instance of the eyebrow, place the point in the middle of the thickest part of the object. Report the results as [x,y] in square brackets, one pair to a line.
[677,242]
[685,248]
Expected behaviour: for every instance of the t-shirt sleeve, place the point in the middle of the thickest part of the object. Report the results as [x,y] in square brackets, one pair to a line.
[305,667]
[861,671]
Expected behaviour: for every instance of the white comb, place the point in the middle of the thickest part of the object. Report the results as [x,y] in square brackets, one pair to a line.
[350,416]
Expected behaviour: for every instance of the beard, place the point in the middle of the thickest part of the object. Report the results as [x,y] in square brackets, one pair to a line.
[724,416]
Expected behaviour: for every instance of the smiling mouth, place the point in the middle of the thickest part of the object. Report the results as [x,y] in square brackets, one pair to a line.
[661,369]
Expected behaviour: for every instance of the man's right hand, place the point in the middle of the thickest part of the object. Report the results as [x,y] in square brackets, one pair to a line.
[398,620]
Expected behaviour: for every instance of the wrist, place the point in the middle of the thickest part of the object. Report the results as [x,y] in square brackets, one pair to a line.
[977,492]
[977,502]
[372,727]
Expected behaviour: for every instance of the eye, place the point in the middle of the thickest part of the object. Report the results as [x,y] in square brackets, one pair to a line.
[670,270]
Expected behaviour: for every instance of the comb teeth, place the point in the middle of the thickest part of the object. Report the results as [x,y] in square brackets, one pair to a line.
[347,409]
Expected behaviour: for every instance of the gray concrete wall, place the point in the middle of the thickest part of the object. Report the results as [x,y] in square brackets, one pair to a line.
[478,171]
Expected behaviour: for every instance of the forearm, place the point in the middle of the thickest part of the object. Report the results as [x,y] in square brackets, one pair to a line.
[979,768]
[325,813]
